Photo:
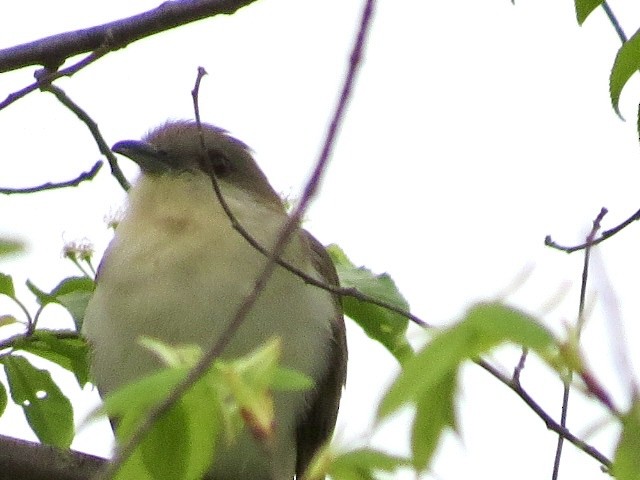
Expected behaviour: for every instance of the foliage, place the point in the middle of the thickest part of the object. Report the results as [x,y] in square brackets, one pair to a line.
[237,394]
[47,410]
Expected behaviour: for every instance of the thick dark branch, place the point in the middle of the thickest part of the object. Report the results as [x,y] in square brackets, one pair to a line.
[23,460]
[51,52]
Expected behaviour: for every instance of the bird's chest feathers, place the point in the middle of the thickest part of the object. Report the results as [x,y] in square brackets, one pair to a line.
[178,229]
[193,270]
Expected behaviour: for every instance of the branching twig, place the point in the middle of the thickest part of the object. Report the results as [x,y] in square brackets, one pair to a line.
[47,76]
[290,226]
[544,416]
[93,128]
[579,327]
[341,291]
[52,51]
[74,182]
[603,236]
[520,366]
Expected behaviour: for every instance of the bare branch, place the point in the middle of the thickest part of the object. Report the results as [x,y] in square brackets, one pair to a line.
[93,128]
[544,416]
[548,241]
[579,327]
[47,76]
[74,182]
[23,460]
[51,52]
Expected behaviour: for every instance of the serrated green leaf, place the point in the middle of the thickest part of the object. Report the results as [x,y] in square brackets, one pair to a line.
[584,8]
[165,450]
[182,443]
[42,296]
[626,64]
[203,419]
[484,327]
[3,398]
[48,411]
[130,404]
[134,399]
[7,320]
[435,413]
[443,355]
[498,323]
[626,461]
[71,353]
[74,294]
[289,380]
[387,327]
[6,285]
[8,246]
[259,366]
[170,355]
[363,463]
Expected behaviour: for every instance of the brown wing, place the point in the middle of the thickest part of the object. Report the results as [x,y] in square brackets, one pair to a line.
[316,427]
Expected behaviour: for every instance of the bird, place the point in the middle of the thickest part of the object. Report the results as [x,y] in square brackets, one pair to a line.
[177,270]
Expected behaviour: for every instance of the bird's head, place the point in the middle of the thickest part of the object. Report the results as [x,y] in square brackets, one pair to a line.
[177,148]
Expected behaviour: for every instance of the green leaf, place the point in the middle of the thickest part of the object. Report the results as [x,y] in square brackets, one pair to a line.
[485,326]
[498,323]
[48,411]
[626,64]
[363,463]
[584,8]
[182,442]
[71,353]
[3,398]
[626,461]
[42,296]
[435,413]
[129,406]
[7,320]
[387,327]
[443,355]
[6,286]
[132,400]
[286,379]
[168,439]
[169,355]
[203,422]
[8,246]
[74,293]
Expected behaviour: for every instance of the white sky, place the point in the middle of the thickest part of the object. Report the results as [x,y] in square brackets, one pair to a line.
[477,128]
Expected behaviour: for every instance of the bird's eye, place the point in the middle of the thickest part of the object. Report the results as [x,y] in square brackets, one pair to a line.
[219,163]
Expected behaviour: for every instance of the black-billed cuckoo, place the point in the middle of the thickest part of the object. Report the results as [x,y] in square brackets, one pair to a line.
[177,270]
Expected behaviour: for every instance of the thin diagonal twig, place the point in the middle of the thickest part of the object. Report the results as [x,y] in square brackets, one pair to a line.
[579,327]
[614,21]
[74,182]
[47,76]
[93,128]
[544,416]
